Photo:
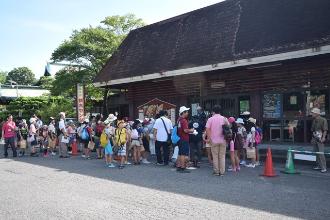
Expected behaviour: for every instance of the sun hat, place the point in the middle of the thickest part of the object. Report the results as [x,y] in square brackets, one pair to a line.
[253,120]
[32,120]
[316,111]
[111,118]
[246,113]
[51,118]
[240,121]
[183,109]
[231,119]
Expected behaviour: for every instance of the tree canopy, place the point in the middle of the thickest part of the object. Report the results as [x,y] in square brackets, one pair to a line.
[22,76]
[3,76]
[90,48]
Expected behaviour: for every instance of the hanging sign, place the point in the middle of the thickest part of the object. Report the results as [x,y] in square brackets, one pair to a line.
[80,103]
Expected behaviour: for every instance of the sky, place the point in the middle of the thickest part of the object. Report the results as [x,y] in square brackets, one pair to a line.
[30,30]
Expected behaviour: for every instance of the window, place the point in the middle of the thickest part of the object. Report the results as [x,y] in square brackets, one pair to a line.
[293,105]
[317,99]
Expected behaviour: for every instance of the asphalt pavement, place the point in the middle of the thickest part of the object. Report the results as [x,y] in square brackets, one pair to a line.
[76,188]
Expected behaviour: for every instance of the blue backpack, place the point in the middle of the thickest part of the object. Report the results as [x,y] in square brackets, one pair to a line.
[174,136]
[84,134]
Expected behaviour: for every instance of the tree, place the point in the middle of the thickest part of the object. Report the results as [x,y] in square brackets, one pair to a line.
[45,82]
[22,76]
[3,76]
[90,48]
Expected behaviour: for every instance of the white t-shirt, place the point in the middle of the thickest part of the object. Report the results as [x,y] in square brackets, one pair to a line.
[61,125]
[51,128]
[161,132]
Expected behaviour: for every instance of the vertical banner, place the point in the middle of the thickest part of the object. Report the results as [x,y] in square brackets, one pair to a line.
[80,103]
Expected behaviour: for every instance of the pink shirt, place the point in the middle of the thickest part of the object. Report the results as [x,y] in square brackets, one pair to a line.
[215,125]
[9,129]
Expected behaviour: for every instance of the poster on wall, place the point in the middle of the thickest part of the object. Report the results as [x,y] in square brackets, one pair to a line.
[272,106]
[80,103]
[316,101]
[153,107]
[194,109]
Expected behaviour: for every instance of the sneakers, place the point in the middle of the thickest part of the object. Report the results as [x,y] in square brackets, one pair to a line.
[251,165]
[83,156]
[111,165]
[53,154]
[145,161]
[191,168]
[317,168]
[160,164]
[231,169]
[182,170]
[323,170]
[128,163]
[121,167]
[258,163]
[243,162]
[216,174]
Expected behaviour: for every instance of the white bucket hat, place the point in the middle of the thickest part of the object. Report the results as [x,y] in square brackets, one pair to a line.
[183,109]
[246,113]
[253,120]
[316,111]
[240,121]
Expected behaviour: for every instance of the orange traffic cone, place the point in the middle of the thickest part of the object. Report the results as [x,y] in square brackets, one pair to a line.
[269,170]
[74,148]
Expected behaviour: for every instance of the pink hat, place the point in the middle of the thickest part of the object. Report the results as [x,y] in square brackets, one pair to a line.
[231,119]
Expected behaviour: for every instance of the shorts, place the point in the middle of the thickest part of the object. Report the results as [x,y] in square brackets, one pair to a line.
[122,150]
[108,150]
[146,145]
[184,148]
[136,143]
[97,143]
[85,143]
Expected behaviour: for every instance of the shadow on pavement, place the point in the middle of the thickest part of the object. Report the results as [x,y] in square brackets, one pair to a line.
[302,196]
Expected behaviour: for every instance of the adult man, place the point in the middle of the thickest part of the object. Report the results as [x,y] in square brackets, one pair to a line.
[217,140]
[320,130]
[198,123]
[9,133]
[183,133]
[162,128]
[63,137]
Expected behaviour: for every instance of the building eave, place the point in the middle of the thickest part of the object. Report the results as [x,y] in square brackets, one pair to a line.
[218,66]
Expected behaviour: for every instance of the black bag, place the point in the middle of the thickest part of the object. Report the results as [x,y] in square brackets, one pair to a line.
[169,139]
[227,132]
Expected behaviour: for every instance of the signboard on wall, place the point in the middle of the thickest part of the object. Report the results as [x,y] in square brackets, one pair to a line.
[153,107]
[80,103]
[272,105]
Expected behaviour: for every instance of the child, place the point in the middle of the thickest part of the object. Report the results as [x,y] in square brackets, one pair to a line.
[44,140]
[108,151]
[208,149]
[251,141]
[120,141]
[239,141]
[136,142]
[234,165]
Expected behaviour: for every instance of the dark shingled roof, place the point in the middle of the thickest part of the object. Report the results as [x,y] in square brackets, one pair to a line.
[229,30]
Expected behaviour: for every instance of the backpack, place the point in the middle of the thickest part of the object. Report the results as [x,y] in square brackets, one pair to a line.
[227,132]
[104,139]
[174,136]
[98,130]
[257,138]
[118,133]
[84,135]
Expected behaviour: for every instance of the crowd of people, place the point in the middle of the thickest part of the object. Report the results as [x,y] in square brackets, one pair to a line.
[121,142]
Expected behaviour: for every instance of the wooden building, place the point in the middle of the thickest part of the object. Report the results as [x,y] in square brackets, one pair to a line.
[271,58]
